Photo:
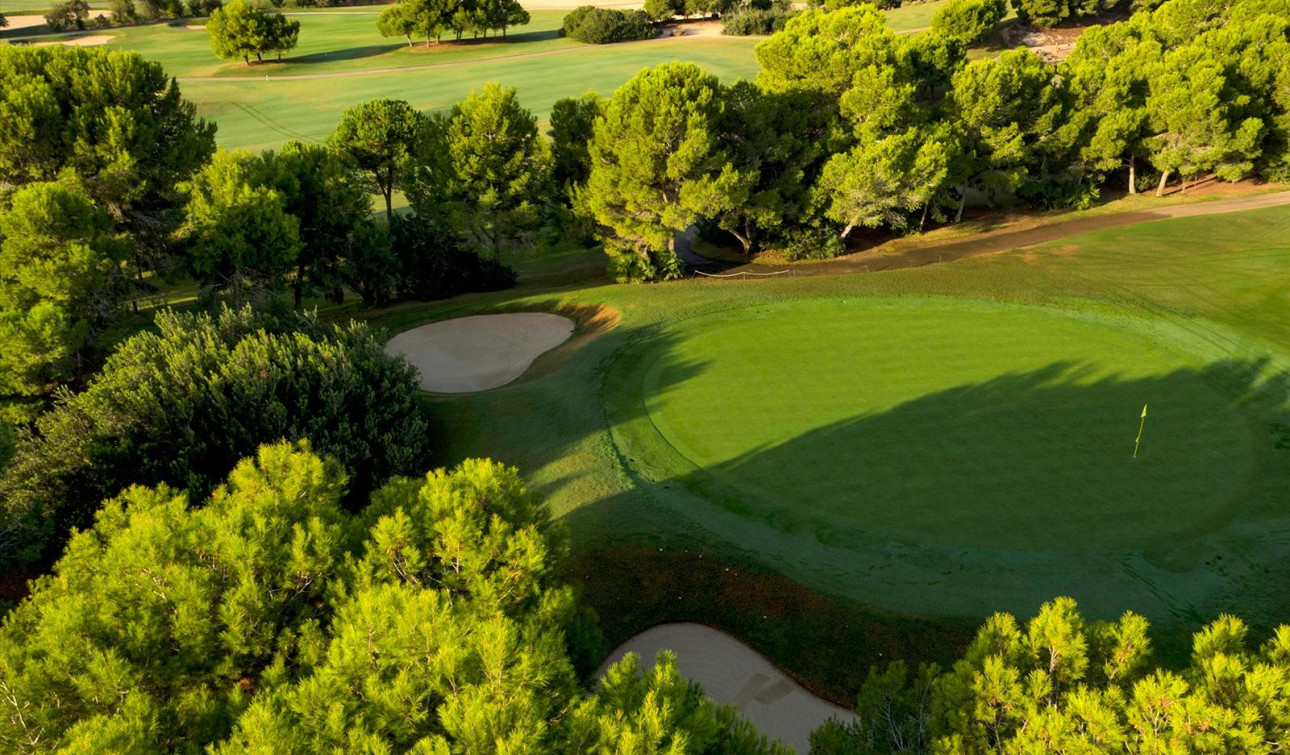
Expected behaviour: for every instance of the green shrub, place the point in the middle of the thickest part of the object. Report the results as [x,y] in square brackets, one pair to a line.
[597,26]
[755,22]
[182,405]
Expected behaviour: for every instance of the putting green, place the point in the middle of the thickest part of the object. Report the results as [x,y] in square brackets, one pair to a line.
[950,423]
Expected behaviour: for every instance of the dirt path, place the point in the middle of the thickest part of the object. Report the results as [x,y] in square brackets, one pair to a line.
[1001,241]
[429,66]
[732,673]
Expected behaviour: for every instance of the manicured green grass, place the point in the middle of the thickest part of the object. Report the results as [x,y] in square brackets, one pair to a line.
[856,421]
[263,114]
[991,404]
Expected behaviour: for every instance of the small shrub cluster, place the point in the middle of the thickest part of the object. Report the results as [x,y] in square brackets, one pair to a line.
[749,22]
[598,26]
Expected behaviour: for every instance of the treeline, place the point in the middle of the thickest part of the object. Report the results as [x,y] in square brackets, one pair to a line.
[850,125]
[76,14]
[1061,684]
[431,19]
[266,618]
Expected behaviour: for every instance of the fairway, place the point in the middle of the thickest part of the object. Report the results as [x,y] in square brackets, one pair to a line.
[952,423]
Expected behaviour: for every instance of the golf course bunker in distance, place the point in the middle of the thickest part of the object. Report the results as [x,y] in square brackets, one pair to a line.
[731,673]
[476,353]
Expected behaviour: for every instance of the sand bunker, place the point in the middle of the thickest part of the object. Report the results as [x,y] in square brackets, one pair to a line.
[732,673]
[90,41]
[477,353]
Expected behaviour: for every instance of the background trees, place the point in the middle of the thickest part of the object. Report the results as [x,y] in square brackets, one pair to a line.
[240,30]
[598,26]
[487,175]
[179,406]
[431,19]
[381,137]
[966,21]
[656,165]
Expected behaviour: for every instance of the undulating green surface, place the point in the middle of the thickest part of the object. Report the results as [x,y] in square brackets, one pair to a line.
[950,422]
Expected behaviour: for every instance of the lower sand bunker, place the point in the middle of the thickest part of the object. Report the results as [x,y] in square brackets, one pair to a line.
[731,673]
[477,353]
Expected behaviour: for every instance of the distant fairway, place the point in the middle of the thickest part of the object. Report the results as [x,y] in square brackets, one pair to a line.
[955,423]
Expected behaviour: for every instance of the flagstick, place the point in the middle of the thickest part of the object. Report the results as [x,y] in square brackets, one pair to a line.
[1141,425]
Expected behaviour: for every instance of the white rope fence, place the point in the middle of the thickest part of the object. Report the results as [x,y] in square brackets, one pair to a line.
[792,273]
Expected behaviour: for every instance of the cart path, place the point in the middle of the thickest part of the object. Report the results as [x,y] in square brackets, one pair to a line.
[1001,241]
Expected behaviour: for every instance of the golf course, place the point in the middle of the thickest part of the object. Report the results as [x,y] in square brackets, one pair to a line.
[556,379]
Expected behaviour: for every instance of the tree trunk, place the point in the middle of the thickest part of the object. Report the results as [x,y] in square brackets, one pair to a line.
[958,218]
[300,283]
[409,36]
[1133,175]
[922,222]
[1164,179]
[744,240]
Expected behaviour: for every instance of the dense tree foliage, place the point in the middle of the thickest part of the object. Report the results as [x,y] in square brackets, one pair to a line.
[892,131]
[656,166]
[240,30]
[238,234]
[322,190]
[382,137]
[755,20]
[93,147]
[487,172]
[1060,683]
[598,26]
[967,21]
[60,278]
[431,19]
[573,123]
[179,406]
[250,623]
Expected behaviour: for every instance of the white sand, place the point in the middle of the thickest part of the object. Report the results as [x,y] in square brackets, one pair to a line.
[90,41]
[477,353]
[732,673]
[25,22]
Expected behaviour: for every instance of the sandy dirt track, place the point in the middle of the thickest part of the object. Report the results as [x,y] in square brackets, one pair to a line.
[90,41]
[477,353]
[1003,241]
[732,673]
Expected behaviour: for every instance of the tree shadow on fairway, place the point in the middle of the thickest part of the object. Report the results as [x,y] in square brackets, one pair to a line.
[1034,462]
[349,53]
